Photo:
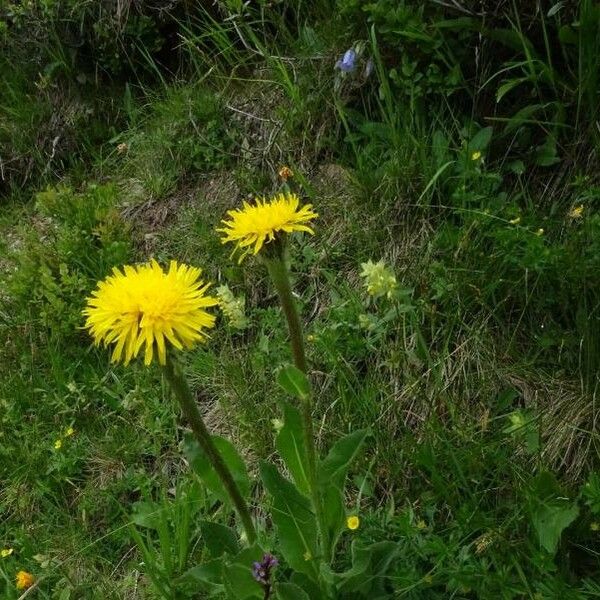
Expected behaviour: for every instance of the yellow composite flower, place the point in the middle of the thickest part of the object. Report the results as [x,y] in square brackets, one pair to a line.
[6,552]
[146,306]
[24,580]
[58,444]
[476,155]
[353,522]
[254,225]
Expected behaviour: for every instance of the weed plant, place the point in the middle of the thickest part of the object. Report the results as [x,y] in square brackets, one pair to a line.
[454,146]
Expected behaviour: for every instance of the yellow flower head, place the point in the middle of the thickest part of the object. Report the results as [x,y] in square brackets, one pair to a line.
[6,552]
[379,280]
[540,231]
[515,221]
[69,432]
[24,580]
[476,155]
[144,305]
[576,212]
[352,522]
[254,225]
[58,444]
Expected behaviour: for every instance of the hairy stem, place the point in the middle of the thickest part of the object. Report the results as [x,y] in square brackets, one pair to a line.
[190,410]
[281,279]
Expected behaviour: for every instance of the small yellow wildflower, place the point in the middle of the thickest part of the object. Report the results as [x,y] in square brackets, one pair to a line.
[69,432]
[379,280]
[540,231]
[353,522]
[310,337]
[58,444]
[24,580]
[307,555]
[476,155]
[252,226]
[285,173]
[421,525]
[232,307]
[144,305]
[595,526]
[576,212]
[6,552]
[515,221]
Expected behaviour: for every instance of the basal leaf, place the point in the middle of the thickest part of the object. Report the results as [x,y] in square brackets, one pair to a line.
[203,468]
[294,520]
[219,538]
[289,591]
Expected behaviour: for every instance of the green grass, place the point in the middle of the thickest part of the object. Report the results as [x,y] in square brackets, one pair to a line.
[477,382]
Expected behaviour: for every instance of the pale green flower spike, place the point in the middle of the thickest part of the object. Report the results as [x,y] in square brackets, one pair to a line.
[232,307]
[379,280]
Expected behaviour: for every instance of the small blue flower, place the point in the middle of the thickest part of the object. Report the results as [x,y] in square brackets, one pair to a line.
[346,64]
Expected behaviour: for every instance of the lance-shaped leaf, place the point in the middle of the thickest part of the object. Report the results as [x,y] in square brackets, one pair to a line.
[294,520]
[291,446]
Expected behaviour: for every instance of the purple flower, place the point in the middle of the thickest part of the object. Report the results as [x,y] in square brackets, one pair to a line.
[261,571]
[346,64]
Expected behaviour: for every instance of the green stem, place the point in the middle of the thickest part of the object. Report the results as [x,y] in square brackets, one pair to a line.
[190,410]
[281,279]
[280,276]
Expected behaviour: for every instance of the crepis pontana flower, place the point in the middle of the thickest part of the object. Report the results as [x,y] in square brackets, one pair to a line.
[252,226]
[146,306]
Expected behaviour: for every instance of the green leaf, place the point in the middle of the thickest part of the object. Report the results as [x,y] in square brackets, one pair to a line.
[310,586]
[551,513]
[210,572]
[289,591]
[480,140]
[291,446]
[334,468]
[370,565]
[545,155]
[507,86]
[203,468]
[334,511]
[294,520]
[294,382]
[237,575]
[219,538]
[146,514]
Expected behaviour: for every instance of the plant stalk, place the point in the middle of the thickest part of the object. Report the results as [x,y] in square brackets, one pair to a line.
[281,279]
[190,410]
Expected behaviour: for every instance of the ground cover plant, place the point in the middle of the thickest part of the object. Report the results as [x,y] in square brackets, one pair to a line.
[388,389]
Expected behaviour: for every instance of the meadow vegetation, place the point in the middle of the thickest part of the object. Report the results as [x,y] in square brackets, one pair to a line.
[455,141]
